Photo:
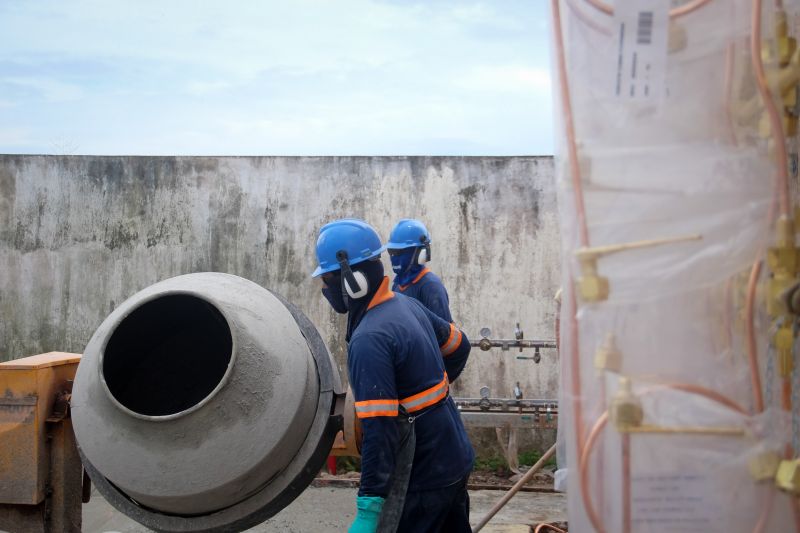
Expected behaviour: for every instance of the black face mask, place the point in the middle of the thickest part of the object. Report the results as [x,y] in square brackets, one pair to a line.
[333,293]
[335,298]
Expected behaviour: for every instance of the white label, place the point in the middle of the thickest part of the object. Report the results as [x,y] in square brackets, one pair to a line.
[642,38]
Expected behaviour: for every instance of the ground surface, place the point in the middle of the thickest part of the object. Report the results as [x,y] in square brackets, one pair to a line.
[322,509]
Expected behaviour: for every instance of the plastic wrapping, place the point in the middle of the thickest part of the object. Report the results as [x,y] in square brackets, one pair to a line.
[672,202]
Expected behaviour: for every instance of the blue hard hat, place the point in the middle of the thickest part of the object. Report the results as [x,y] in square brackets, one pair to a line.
[408,233]
[355,237]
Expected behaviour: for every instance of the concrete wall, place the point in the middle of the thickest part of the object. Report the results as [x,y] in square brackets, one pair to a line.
[78,235]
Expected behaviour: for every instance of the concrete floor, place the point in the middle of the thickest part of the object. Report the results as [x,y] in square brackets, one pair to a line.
[332,509]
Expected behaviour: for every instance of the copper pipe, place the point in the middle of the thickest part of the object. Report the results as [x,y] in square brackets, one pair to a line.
[775,119]
[626,483]
[687,430]
[513,490]
[702,391]
[583,466]
[752,348]
[580,15]
[594,434]
[548,526]
[572,146]
[673,13]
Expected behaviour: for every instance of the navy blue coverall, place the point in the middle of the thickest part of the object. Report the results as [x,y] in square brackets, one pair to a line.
[428,288]
[402,354]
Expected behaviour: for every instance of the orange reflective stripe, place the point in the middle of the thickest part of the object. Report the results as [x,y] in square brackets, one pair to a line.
[427,397]
[453,341]
[383,294]
[372,414]
[370,408]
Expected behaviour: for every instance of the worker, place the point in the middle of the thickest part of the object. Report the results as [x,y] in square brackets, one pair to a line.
[415,454]
[409,248]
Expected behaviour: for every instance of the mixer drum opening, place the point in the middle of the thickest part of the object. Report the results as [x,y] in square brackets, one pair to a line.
[168,355]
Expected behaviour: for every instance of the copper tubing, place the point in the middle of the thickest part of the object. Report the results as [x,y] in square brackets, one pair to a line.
[580,15]
[600,425]
[626,483]
[572,146]
[702,391]
[673,13]
[775,119]
[548,526]
[513,490]
[583,465]
[752,348]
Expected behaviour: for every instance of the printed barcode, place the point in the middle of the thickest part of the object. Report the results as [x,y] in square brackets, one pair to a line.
[644,27]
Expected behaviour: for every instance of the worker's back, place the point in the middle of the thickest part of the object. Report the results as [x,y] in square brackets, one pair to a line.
[428,289]
[394,355]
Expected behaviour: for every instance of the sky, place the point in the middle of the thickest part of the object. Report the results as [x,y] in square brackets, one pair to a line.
[345,77]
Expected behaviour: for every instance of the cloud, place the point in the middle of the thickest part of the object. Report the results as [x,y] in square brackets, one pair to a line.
[354,76]
[49,89]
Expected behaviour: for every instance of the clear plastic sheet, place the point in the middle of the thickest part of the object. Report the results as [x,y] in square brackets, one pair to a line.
[687,180]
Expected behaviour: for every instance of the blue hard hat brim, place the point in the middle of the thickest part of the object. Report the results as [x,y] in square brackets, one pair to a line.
[403,245]
[320,271]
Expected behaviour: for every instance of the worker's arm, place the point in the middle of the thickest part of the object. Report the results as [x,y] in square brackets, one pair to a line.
[370,363]
[453,344]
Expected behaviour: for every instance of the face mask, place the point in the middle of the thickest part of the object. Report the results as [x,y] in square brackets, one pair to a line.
[401,262]
[332,291]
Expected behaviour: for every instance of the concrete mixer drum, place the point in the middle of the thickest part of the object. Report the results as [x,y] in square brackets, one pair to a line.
[205,403]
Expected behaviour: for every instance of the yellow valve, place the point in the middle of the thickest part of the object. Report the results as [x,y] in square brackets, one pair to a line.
[788,476]
[595,288]
[608,357]
[626,408]
[764,466]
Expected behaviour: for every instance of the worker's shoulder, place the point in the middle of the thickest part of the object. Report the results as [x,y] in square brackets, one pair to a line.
[431,279]
[391,318]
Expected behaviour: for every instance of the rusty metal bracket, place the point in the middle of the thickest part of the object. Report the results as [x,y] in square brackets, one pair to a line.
[60,409]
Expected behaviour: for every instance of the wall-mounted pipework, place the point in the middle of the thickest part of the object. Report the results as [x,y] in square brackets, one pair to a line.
[486,343]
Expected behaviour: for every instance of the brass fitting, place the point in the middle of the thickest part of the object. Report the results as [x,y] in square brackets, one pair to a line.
[784,45]
[764,466]
[608,357]
[626,408]
[789,124]
[788,476]
[591,286]
[783,262]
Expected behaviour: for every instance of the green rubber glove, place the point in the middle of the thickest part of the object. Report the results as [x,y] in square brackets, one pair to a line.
[369,510]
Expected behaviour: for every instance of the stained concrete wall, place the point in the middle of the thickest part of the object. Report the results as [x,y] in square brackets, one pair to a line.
[78,235]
